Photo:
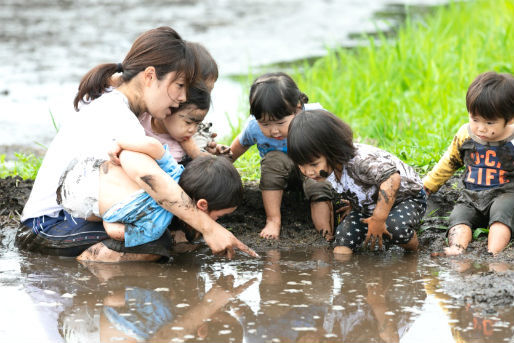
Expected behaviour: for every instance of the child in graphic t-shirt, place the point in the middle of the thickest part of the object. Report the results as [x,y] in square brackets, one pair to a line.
[484,146]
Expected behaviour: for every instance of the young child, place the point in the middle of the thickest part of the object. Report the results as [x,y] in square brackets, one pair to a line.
[180,130]
[484,146]
[386,195]
[215,187]
[177,129]
[274,101]
[129,214]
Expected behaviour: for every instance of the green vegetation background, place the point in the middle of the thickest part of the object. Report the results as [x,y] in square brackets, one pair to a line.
[407,94]
[404,94]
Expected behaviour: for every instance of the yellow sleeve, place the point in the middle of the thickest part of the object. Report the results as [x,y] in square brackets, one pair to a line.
[448,164]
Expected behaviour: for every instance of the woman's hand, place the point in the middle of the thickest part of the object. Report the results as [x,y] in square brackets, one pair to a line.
[114,153]
[223,242]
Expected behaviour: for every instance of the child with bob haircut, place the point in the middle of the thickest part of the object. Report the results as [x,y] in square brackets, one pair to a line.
[386,195]
[129,214]
[274,101]
[485,147]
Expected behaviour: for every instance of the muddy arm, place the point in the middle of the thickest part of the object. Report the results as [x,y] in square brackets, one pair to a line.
[161,187]
[145,145]
[448,164]
[237,149]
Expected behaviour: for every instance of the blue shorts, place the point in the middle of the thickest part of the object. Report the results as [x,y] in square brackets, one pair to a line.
[69,236]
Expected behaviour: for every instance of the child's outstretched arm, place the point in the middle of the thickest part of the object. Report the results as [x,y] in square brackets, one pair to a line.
[448,164]
[168,194]
[191,148]
[377,222]
[237,149]
[145,145]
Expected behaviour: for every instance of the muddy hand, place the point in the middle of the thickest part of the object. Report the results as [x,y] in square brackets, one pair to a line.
[327,234]
[344,210]
[376,229]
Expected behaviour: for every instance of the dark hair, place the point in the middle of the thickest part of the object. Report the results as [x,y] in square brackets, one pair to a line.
[491,96]
[317,133]
[206,65]
[275,95]
[162,48]
[197,96]
[215,179]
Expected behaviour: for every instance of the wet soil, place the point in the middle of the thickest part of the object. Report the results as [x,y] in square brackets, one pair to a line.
[488,287]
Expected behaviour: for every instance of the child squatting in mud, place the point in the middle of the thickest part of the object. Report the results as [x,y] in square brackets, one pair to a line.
[484,146]
[385,194]
[274,101]
[129,214]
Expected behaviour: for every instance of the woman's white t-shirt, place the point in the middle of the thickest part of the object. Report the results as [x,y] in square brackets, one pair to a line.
[87,133]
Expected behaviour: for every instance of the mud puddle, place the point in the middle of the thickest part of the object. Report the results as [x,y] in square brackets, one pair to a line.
[297,292]
[287,296]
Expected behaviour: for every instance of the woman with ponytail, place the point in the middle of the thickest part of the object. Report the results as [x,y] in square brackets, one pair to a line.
[153,77]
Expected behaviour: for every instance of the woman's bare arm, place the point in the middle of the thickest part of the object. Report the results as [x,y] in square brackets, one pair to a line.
[161,187]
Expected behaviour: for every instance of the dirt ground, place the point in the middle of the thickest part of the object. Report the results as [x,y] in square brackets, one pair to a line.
[484,287]
[247,221]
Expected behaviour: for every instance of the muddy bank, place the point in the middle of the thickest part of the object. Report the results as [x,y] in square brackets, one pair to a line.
[247,221]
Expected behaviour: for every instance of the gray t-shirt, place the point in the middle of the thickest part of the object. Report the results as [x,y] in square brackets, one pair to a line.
[362,176]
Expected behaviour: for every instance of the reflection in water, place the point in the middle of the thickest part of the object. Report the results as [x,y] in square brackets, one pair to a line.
[470,322]
[287,296]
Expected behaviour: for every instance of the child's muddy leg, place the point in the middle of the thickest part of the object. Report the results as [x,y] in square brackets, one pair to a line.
[350,234]
[458,239]
[115,230]
[272,200]
[499,237]
[323,218]
[413,244]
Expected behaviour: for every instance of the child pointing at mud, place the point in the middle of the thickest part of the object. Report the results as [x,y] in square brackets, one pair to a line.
[484,146]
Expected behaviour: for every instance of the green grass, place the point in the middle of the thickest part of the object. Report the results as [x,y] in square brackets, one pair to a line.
[25,165]
[407,94]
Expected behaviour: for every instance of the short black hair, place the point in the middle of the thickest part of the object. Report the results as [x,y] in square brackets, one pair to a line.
[491,96]
[317,133]
[215,179]
[275,95]
[199,96]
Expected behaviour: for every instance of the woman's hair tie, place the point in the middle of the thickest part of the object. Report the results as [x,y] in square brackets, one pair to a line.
[119,68]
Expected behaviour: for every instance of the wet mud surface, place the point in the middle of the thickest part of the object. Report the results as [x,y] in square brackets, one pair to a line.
[474,279]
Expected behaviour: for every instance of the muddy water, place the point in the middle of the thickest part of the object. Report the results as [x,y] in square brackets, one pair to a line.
[286,296]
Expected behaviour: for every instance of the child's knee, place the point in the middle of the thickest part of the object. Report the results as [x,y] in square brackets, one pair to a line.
[317,190]
[342,250]
[276,170]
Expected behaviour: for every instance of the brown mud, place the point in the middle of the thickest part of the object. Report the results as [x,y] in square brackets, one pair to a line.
[483,280]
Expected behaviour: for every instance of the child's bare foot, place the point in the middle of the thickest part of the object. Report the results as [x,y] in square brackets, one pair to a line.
[452,250]
[270,231]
